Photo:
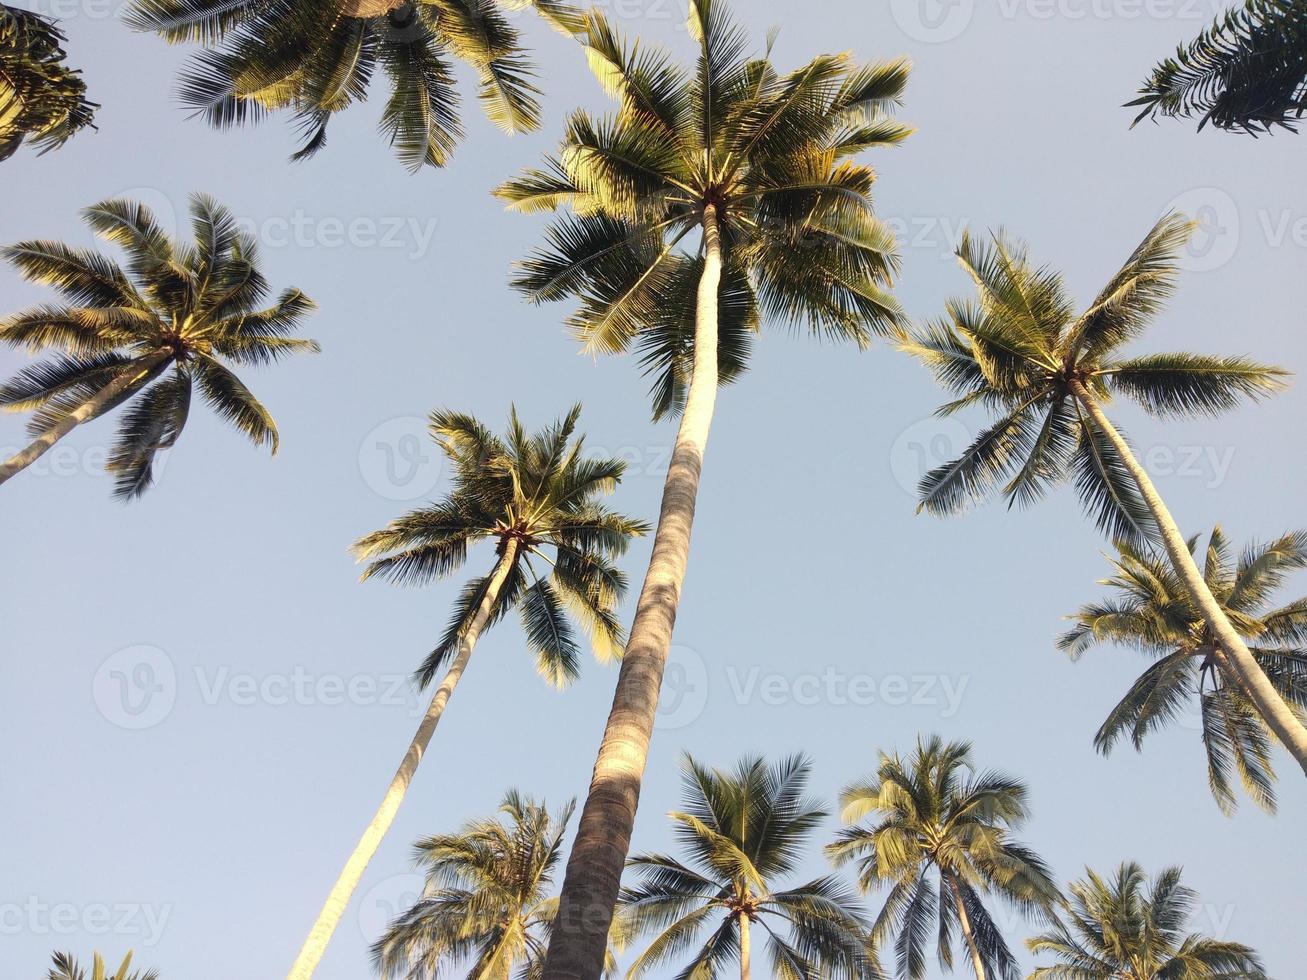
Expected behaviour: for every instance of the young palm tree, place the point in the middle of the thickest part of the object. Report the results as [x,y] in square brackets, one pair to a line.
[744,832]
[531,495]
[710,197]
[314,60]
[1152,613]
[1247,72]
[146,336]
[943,842]
[486,905]
[1048,374]
[1123,929]
[67,968]
[41,98]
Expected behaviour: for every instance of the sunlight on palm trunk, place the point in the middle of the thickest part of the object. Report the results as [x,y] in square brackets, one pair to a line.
[90,409]
[746,949]
[968,933]
[1233,653]
[316,944]
[594,869]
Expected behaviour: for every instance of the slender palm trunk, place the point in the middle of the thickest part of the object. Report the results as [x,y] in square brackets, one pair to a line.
[1238,660]
[88,410]
[968,933]
[745,947]
[316,944]
[603,837]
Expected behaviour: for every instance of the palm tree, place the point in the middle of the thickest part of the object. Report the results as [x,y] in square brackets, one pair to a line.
[41,98]
[67,968]
[1022,352]
[744,832]
[943,843]
[486,904]
[1247,72]
[530,495]
[710,197]
[1152,613]
[146,336]
[314,60]
[1123,929]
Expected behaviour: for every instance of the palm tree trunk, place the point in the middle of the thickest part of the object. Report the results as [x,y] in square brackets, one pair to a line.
[1240,662]
[603,837]
[316,944]
[964,922]
[745,948]
[88,410]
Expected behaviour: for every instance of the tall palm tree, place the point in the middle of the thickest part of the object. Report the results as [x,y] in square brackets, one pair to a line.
[1151,612]
[486,905]
[1247,72]
[315,59]
[1022,352]
[710,197]
[146,336]
[943,843]
[41,98]
[67,968]
[744,833]
[1125,929]
[533,497]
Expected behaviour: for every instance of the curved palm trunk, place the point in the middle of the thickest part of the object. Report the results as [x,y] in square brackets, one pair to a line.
[746,950]
[603,837]
[316,944]
[968,933]
[1237,659]
[83,413]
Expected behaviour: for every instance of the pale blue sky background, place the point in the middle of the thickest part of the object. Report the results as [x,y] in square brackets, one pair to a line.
[208,839]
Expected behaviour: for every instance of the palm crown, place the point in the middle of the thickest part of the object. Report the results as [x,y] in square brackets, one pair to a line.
[67,968]
[1152,612]
[40,96]
[1247,72]
[290,54]
[744,832]
[1021,351]
[1123,929]
[486,903]
[535,493]
[767,153]
[942,842]
[188,308]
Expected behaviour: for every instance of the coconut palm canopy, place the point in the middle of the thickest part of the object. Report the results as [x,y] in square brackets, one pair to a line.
[942,841]
[1246,73]
[538,493]
[769,151]
[1124,928]
[41,98]
[744,832]
[1021,351]
[264,56]
[67,968]
[150,332]
[1151,612]
[486,907]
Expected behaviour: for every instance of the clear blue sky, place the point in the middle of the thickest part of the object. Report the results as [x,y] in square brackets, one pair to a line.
[208,839]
